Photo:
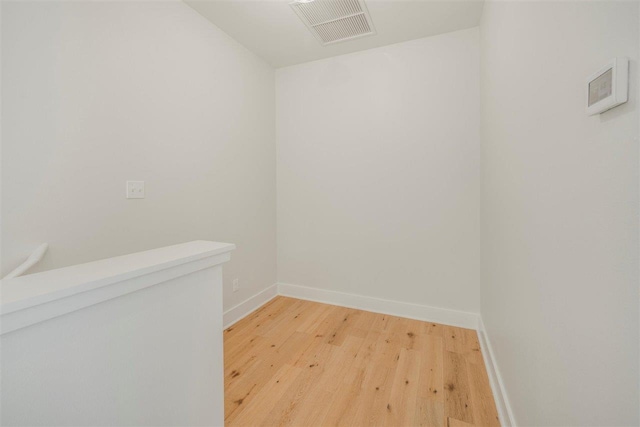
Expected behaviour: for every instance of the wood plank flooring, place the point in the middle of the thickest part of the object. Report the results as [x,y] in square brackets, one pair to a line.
[301,363]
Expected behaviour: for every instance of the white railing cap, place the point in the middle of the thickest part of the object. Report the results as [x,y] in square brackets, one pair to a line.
[39,288]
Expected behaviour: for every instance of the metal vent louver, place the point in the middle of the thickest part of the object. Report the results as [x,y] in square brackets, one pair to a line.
[333,21]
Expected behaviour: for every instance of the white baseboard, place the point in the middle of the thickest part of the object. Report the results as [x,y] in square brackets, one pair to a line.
[497,386]
[461,319]
[249,305]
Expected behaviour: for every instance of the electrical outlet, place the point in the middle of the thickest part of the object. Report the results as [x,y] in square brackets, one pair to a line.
[135,189]
[236,285]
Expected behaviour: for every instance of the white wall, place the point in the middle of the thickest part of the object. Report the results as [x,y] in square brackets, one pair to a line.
[134,340]
[560,212]
[378,172]
[97,93]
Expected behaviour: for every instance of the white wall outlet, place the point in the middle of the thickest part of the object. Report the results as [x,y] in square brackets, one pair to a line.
[236,285]
[135,189]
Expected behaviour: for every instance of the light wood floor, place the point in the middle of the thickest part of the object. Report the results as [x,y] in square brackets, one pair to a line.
[300,363]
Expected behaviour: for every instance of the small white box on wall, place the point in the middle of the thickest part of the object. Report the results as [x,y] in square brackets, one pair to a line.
[608,87]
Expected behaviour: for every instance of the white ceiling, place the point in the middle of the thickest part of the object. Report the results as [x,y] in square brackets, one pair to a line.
[272,30]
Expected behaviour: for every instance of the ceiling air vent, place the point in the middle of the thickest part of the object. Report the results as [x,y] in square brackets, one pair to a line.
[333,21]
